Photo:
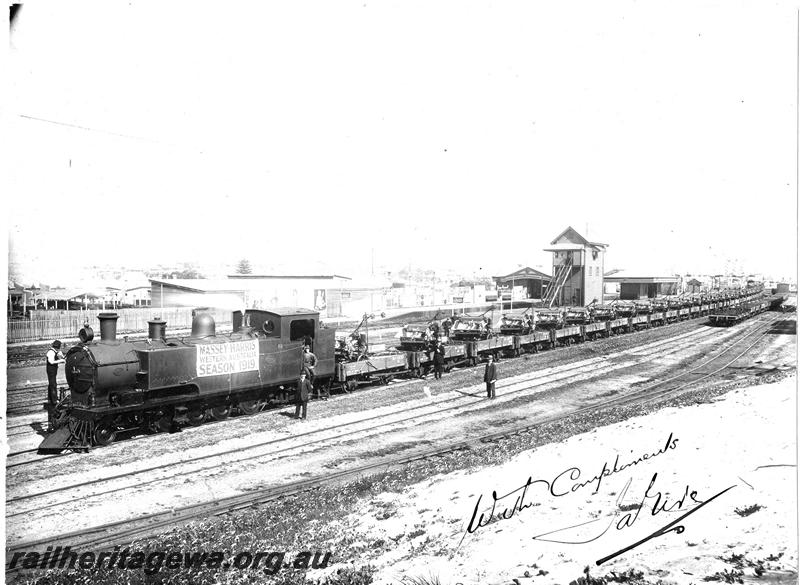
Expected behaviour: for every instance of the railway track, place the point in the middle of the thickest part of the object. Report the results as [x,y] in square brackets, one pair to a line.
[17,409]
[569,367]
[276,447]
[34,460]
[126,530]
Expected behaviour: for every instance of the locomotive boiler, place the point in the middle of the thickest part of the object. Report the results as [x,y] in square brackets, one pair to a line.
[96,369]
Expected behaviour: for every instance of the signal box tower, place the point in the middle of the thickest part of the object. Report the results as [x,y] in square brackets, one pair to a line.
[578,268]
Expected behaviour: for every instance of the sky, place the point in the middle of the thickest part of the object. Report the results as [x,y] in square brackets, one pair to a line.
[448,135]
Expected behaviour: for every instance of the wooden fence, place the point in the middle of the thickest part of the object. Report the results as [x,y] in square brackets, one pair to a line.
[44,325]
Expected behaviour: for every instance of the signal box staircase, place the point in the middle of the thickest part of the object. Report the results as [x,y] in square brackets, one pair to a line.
[560,278]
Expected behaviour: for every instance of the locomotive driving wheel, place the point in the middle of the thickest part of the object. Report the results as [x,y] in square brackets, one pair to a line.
[104,433]
[195,415]
[249,407]
[220,412]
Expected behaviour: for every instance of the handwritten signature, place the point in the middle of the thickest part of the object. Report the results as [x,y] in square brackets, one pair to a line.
[660,503]
[569,481]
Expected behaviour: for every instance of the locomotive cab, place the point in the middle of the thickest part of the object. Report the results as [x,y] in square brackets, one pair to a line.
[295,326]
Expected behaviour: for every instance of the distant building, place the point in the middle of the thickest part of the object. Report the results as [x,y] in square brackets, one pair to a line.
[635,286]
[533,282]
[332,295]
[68,299]
[694,286]
[20,299]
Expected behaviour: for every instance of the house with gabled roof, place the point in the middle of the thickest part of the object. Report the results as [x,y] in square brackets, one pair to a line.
[534,281]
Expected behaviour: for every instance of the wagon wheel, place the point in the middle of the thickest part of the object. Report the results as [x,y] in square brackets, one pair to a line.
[162,421]
[104,433]
[249,407]
[350,386]
[220,412]
[196,416]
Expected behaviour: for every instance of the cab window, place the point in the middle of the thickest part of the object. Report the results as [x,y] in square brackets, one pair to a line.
[301,329]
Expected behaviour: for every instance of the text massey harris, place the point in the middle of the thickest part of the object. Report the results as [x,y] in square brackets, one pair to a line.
[227,358]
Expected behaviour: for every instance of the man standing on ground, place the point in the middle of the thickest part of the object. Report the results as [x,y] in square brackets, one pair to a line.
[54,357]
[438,361]
[301,398]
[490,377]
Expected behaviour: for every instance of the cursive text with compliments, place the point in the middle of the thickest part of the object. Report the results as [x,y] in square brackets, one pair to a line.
[568,481]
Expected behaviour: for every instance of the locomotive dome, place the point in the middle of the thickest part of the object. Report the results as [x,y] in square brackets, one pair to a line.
[203,325]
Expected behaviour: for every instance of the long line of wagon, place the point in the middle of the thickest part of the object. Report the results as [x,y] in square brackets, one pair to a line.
[722,309]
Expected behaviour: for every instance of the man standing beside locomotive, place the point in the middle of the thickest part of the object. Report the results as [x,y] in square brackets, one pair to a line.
[54,357]
[490,377]
[301,398]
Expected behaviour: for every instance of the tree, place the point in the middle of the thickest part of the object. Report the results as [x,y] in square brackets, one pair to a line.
[243,267]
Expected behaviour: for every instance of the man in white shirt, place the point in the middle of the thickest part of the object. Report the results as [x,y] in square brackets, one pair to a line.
[54,357]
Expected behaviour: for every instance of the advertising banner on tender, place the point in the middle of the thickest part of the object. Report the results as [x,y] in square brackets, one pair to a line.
[227,358]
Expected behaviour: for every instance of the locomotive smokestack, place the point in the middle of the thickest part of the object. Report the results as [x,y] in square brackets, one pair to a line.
[157,328]
[108,326]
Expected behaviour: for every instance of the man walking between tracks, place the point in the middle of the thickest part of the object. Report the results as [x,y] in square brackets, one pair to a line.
[54,357]
[490,377]
[301,397]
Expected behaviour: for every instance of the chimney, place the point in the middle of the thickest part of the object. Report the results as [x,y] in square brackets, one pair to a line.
[157,328]
[108,326]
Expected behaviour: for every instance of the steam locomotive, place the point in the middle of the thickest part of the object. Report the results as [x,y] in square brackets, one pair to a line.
[120,385]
